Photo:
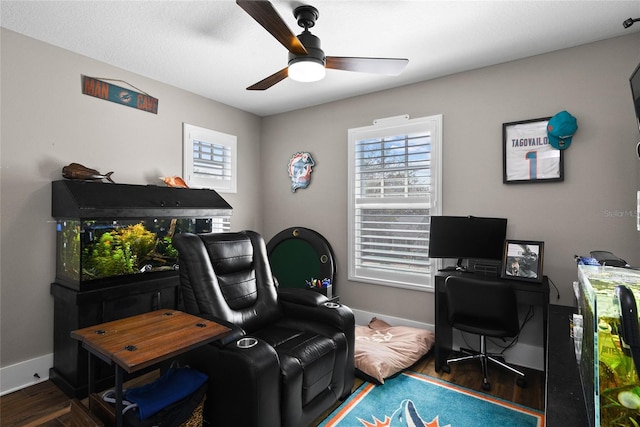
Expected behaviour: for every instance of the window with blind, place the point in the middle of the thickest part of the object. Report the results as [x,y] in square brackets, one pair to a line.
[209,159]
[394,184]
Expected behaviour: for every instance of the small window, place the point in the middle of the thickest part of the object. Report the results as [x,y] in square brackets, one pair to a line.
[209,159]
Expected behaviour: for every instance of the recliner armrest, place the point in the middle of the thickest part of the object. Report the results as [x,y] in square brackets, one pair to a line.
[235,333]
[325,312]
[301,296]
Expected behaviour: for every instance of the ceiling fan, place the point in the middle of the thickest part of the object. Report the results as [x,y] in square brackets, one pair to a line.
[307,61]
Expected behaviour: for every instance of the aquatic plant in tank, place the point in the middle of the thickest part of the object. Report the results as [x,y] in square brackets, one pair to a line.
[90,250]
[117,252]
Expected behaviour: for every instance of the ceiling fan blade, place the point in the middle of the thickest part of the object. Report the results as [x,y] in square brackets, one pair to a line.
[386,66]
[271,80]
[266,15]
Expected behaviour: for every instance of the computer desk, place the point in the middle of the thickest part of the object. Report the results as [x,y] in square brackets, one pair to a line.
[527,293]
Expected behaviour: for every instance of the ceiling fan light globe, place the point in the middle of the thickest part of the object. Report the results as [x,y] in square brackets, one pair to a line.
[306,70]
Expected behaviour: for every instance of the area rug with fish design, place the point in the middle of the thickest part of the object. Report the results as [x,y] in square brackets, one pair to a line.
[415,400]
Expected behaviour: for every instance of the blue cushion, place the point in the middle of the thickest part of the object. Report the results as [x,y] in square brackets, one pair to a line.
[172,386]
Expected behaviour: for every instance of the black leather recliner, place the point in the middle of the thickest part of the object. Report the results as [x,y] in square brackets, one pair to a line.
[303,358]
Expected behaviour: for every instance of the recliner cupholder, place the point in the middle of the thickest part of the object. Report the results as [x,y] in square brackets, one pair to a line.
[330,304]
[247,342]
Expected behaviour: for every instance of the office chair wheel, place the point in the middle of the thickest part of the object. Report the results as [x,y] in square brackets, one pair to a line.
[486,385]
[521,382]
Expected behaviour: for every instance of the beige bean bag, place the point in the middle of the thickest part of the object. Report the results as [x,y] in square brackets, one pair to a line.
[382,350]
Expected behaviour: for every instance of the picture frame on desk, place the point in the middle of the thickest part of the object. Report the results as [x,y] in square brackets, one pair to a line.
[523,260]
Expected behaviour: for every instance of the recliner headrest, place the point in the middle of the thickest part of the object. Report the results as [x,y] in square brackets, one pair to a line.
[230,253]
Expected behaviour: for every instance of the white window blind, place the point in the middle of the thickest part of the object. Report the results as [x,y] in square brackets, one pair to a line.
[393,188]
[212,159]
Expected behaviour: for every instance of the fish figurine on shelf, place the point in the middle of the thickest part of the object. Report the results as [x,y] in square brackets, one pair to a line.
[174,181]
[78,171]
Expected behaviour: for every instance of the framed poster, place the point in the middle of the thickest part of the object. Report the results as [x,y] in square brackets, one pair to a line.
[522,260]
[527,155]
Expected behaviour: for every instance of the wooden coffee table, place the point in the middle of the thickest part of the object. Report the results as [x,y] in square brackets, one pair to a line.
[138,342]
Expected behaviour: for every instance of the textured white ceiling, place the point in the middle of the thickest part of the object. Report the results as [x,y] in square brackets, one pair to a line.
[213,48]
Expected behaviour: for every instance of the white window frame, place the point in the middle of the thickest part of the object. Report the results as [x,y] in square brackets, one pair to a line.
[226,181]
[381,128]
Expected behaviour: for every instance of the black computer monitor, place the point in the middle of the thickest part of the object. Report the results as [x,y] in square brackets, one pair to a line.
[467,237]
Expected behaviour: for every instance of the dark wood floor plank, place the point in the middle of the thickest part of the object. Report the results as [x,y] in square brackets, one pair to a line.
[32,403]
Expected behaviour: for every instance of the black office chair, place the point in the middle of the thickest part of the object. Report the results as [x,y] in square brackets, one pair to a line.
[486,308]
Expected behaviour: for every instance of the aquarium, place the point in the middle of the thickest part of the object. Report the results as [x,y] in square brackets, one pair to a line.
[119,233]
[608,374]
[98,250]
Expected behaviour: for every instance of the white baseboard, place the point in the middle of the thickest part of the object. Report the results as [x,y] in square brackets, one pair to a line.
[364,317]
[24,374]
[522,354]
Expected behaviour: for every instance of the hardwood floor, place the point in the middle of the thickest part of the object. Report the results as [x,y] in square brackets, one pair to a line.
[38,405]
[46,405]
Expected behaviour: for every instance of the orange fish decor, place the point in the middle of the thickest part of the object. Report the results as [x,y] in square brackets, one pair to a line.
[174,181]
[80,172]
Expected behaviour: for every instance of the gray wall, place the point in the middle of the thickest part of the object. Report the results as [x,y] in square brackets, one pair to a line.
[48,123]
[592,209]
